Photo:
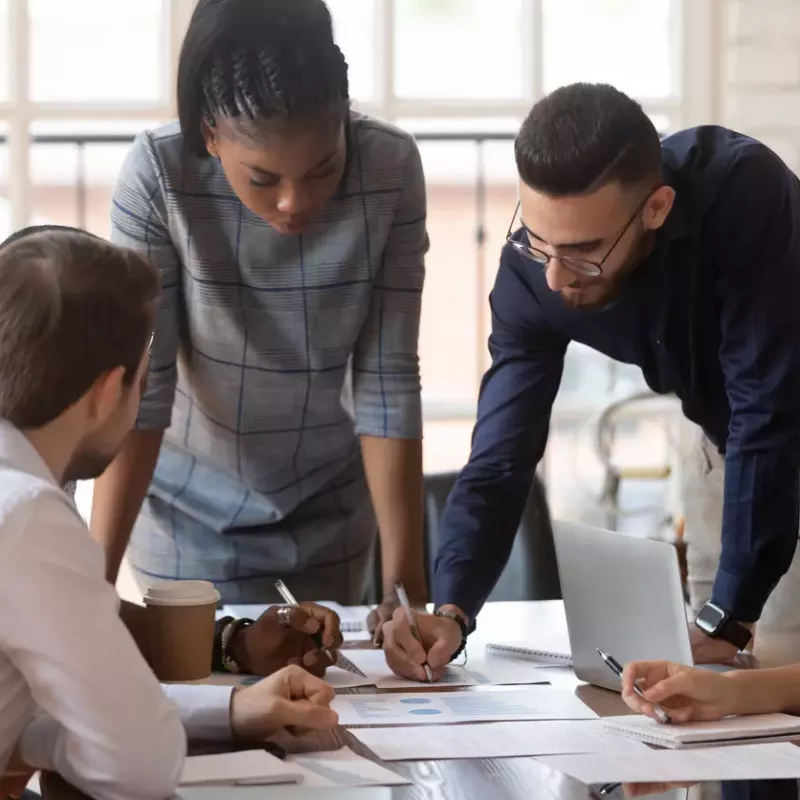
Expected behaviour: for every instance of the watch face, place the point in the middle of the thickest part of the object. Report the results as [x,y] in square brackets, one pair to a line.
[710,618]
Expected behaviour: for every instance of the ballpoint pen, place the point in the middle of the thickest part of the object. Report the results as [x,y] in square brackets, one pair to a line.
[337,660]
[403,598]
[615,667]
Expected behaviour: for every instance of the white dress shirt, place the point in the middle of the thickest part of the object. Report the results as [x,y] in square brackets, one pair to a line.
[75,692]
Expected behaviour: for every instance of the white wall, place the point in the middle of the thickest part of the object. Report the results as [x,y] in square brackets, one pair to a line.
[760,89]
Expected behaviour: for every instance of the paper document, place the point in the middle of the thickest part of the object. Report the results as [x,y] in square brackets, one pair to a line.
[745,762]
[694,734]
[342,679]
[436,708]
[245,767]
[353,618]
[502,671]
[343,768]
[373,663]
[491,740]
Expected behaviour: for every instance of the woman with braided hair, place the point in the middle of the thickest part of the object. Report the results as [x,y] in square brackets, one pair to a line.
[281,427]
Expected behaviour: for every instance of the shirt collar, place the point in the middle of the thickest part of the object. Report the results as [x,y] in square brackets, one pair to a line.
[17,453]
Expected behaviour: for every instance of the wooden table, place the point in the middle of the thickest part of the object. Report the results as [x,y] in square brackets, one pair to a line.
[485,779]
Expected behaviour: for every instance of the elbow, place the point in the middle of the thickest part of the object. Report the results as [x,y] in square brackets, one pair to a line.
[147,768]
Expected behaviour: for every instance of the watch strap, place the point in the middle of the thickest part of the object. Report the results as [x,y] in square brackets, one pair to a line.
[734,633]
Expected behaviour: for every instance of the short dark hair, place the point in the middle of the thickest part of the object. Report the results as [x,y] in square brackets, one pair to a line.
[72,307]
[256,59]
[583,136]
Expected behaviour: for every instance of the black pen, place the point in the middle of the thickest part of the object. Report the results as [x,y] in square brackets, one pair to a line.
[615,667]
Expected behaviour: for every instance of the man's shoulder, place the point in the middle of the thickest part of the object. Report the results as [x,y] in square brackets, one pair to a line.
[29,504]
[710,156]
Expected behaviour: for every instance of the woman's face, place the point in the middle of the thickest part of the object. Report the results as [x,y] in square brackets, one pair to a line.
[285,171]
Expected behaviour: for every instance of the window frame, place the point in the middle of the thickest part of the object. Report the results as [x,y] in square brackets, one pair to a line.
[698,39]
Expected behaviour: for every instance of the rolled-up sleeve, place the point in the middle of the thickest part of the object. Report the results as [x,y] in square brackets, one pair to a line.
[758,290]
[517,393]
[139,222]
[386,380]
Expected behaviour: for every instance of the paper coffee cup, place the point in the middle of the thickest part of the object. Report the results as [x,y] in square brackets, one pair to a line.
[180,627]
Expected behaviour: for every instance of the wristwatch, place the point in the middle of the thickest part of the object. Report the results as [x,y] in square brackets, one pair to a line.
[717,623]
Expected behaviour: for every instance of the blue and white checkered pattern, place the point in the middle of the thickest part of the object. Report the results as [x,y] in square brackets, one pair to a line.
[260,341]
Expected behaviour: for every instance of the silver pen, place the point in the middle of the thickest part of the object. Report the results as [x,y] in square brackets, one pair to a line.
[338,660]
[403,598]
[615,667]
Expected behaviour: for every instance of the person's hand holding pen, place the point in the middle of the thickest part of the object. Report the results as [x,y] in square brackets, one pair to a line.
[686,693]
[406,655]
[282,636]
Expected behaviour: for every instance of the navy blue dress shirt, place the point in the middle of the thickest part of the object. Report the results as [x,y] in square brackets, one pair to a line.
[713,316]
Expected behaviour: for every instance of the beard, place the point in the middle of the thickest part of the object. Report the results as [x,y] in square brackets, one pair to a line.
[597,293]
[86,465]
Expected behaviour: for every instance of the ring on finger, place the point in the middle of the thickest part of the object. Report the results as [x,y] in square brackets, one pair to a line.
[284,616]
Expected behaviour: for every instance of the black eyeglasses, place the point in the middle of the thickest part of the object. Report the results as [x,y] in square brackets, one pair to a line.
[580,266]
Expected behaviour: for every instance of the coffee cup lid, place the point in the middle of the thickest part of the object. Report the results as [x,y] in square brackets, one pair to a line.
[181,593]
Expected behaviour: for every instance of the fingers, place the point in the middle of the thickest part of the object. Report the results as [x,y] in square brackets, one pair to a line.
[404,654]
[440,654]
[330,622]
[314,662]
[304,714]
[299,619]
[302,685]
[680,684]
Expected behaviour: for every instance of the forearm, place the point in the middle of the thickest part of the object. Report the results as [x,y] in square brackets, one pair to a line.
[759,530]
[767,691]
[394,474]
[120,492]
[477,533]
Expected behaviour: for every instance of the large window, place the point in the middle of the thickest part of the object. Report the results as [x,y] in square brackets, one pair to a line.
[76,75]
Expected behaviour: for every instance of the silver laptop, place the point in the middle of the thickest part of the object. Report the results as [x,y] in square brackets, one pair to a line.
[622,594]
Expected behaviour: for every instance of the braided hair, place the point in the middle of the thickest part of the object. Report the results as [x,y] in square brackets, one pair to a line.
[250,60]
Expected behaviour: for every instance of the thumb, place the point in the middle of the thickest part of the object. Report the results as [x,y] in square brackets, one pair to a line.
[304,714]
[439,655]
[302,621]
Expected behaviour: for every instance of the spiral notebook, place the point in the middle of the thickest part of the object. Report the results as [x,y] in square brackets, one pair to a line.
[560,657]
[733,730]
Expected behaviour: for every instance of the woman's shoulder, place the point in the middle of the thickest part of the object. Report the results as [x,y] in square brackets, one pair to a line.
[381,141]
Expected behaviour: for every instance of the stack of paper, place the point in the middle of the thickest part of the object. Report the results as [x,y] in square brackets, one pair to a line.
[741,763]
[340,768]
[491,740]
[436,708]
[758,728]
[243,768]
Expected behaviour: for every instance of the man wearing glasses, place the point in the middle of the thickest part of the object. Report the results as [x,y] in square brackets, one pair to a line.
[681,257]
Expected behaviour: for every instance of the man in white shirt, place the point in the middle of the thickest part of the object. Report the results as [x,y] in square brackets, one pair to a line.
[76,695]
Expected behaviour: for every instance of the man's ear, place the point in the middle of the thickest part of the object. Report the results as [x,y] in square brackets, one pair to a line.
[105,395]
[658,206]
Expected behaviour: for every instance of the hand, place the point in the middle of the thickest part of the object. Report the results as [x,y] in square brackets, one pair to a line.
[706,650]
[267,646]
[687,693]
[440,636]
[291,698]
[382,613]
